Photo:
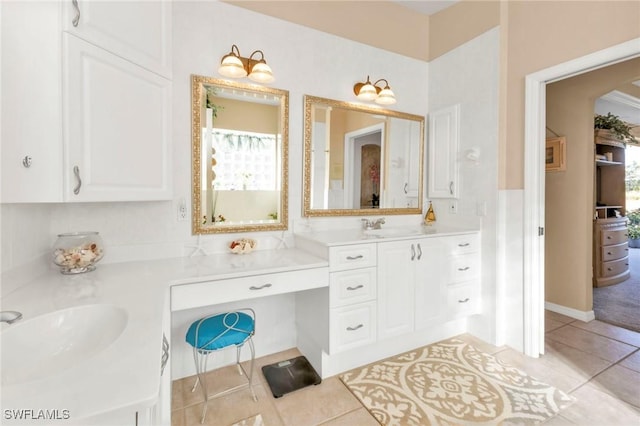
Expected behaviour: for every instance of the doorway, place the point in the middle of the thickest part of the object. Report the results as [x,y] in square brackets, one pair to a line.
[363,153]
[534,181]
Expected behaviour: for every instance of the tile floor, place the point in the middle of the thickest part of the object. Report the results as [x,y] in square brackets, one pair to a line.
[597,363]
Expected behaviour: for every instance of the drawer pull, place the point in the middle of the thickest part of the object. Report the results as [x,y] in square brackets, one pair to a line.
[355,257]
[463,245]
[608,237]
[463,301]
[260,287]
[355,328]
[466,268]
[355,288]
[609,269]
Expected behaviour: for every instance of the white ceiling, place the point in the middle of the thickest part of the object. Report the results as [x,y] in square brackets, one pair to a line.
[426,7]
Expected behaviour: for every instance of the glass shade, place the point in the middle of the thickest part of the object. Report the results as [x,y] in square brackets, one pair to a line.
[231,66]
[386,97]
[261,73]
[367,92]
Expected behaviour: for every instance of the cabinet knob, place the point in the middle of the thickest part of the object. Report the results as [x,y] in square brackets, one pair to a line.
[609,253]
[608,237]
[355,328]
[26,161]
[609,269]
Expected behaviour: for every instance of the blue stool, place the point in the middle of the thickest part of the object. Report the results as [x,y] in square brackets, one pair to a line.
[216,332]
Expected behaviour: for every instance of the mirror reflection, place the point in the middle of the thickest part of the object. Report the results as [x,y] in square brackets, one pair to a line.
[240,144]
[361,160]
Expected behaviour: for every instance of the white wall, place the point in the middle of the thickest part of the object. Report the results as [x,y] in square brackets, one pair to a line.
[469,76]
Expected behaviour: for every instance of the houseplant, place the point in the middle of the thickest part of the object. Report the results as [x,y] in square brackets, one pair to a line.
[616,127]
[633,228]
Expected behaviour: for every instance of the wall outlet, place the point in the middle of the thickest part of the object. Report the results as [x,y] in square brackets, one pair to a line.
[453,206]
[183,214]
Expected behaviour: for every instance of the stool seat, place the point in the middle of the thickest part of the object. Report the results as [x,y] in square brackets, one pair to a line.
[220,331]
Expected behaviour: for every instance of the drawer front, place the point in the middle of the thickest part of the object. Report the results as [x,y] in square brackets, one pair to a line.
[352,326]
[615,267]
[463,299]
[615,252]
[352,286]
[207,293]
[461,244]
[464,267]
[614,236]
[352,256]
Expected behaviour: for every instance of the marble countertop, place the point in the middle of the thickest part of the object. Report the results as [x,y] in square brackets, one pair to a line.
[340,237]
[127,373]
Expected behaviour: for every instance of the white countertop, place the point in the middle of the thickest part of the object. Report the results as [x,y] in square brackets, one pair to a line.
[127,372]
[340,237]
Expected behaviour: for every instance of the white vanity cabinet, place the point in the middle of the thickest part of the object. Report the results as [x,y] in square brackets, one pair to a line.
[463,280]
[84,119]
[411,285]
[443,142]
[352,296]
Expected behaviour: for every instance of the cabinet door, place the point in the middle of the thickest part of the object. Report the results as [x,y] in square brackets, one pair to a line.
[31,98]
[396,277]
[443,151]
[116,127]
[139,31]
[430,291]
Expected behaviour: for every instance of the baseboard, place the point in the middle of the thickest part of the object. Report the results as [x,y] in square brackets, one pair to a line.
[584,316]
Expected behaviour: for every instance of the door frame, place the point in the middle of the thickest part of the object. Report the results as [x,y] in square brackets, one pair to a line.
[534,182]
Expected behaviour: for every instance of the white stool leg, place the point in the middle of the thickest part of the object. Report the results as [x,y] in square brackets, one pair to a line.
[253,358]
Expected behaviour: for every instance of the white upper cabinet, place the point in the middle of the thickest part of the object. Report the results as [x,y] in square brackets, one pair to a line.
[444,134]
[116,127]
[31,136]
[139,31]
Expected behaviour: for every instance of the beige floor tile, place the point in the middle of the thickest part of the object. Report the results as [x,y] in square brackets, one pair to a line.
[550,315]
[558,421]
[568,360]
[592,343]
[607,330]
[359,417]
[177,400]
[551,324]
[315,404]
[594,407]
[236,406]
[621,383]
[177,417]
[632,361]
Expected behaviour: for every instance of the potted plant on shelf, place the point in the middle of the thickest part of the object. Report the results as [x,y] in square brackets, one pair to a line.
[611,127]
[633,228]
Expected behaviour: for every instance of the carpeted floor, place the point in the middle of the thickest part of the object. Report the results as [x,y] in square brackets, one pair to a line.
[619,304]
[451,382]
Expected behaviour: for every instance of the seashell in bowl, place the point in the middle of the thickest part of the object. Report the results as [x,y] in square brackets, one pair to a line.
[243,245]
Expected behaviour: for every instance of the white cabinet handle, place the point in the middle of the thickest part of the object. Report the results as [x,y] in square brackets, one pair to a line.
[419,251]
[466,268]
[26,161]
[451,187]
[405,187]
[413,252]
[260,287]
[76,19]
[165,353]
[355,328]
[463,301]
[76,172]
[355,288]
[355,257]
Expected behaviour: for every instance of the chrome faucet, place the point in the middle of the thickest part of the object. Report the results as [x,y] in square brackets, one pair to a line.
[10,316]
[368,224]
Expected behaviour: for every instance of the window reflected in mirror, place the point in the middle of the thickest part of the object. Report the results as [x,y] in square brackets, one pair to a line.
[240,147]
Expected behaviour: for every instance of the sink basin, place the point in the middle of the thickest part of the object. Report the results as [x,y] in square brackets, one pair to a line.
[393,232]
[55,342]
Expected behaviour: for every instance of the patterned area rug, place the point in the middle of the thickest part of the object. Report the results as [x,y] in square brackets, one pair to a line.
[451,382]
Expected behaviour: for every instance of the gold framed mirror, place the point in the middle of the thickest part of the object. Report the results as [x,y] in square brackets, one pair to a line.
[239,157]
[361,160]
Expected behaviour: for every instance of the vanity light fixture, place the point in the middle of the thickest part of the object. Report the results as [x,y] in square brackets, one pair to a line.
[235,66]
[368,91]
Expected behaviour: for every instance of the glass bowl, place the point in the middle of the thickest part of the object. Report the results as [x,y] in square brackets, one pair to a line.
[78,252]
